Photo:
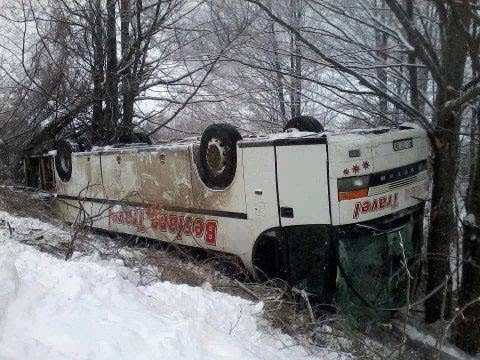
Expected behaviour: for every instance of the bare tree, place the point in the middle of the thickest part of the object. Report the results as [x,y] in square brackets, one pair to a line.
[296,10]
[111,79]
[468,324]
[444,53]
[99,83]
[99,128]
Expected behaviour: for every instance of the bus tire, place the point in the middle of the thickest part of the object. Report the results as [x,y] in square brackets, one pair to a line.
[63,158]
[144,138]
[128,138]
[218,155]
[304,123]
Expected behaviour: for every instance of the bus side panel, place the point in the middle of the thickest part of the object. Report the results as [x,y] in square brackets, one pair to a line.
[88,176]
[120,177]
[260,187]
[166,176]
[203,231]
[257,166]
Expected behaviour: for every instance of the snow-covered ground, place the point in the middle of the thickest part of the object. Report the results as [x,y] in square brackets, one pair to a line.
[90,308]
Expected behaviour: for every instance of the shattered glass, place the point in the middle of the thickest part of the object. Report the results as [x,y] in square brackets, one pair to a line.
[372,274]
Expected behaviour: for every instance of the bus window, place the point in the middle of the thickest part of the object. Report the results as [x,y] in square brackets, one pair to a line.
[47,178]
[32,172]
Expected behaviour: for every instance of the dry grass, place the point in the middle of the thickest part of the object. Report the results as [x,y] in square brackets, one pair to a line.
[26,204]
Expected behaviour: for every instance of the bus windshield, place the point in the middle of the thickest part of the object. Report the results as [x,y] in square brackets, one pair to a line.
[372,268]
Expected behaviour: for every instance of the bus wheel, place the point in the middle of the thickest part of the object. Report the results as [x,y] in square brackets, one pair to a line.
[144,138]
[304,123]
[218,155]
[63,158]
[128,138]
[134,138]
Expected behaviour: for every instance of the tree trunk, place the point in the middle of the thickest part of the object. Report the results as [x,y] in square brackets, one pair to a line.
[412,70]
[467,335]
[422,87]
[99,127]
[111,108]
[468,327]
[443,227]
[381,48]
[127,78]
[295,60]
[279,82]
[443,224]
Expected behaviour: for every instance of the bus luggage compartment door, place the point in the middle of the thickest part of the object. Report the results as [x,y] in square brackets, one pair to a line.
[302,182]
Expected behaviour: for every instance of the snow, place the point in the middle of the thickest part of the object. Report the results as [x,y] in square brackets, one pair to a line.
[9,280]
[417,335]
[173,145]
[90,308]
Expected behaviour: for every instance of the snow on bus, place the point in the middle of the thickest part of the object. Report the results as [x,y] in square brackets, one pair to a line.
[300,205]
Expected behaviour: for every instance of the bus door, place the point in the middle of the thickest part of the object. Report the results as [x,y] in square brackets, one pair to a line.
[304,214]
[302,181]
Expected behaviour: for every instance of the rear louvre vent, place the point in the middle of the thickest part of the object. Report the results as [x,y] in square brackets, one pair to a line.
[397,184]
[394,175]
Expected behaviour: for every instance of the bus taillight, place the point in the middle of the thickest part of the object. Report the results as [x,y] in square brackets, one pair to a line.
[354,187]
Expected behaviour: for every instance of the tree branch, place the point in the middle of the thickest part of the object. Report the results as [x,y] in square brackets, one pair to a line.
[402,105]
[465,97]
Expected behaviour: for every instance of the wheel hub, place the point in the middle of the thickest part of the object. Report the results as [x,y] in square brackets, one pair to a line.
[216,155]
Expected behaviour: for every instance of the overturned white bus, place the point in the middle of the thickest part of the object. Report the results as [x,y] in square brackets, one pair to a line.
[299,205]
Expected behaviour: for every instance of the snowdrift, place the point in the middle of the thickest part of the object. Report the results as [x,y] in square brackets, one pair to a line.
[93,309]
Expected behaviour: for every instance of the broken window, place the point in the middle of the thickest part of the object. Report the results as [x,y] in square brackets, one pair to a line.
[372,274]
[32,172]
[39,172]
[47,173]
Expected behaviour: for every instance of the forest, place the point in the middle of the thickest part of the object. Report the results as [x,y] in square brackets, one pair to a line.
[104,71]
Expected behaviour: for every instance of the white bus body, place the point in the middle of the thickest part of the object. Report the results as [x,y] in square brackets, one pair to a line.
[285,187]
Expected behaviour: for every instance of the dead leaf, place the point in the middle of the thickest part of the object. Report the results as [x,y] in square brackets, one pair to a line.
[439,143]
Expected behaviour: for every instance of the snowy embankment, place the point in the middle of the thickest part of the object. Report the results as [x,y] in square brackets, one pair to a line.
[90,308]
